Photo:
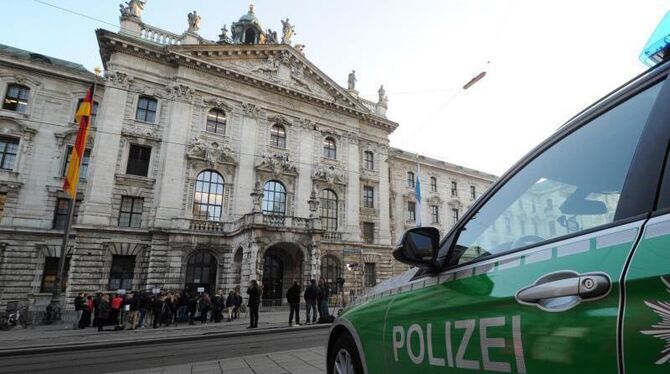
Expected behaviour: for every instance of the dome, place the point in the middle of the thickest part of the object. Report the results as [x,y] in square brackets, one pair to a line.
[250,17]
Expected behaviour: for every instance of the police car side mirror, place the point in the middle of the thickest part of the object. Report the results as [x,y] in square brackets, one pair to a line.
[418,247]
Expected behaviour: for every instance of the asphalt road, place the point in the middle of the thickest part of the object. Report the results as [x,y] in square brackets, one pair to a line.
[158,354]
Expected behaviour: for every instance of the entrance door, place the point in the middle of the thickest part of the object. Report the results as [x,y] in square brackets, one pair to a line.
[201,272]
[273,279]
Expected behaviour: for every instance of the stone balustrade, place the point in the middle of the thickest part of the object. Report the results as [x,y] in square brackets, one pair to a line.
[332,236]
[159,36]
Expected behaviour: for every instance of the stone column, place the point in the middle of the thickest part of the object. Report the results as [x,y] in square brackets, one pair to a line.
[305,144]
[173,167]
[96,208]
[245,172]
[353,192]
[384,199]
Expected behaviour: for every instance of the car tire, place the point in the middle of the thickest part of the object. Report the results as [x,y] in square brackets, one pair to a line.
[344,357]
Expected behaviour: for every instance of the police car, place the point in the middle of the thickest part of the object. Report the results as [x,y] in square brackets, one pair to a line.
[563,266]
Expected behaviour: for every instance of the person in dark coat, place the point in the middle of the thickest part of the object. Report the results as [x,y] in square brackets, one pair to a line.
[79,305]
[192,309]
[144,307]
[218,304]
[254,293]
[310,300]
[205,305]
[103,311]
[157,308]
[237,303]
[182,311]
[85,320]
[322,299]
[293,298]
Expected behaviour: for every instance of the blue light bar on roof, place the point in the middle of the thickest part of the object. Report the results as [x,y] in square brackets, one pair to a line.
[657,48]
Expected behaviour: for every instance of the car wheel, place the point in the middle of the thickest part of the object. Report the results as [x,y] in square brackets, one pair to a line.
[344,358]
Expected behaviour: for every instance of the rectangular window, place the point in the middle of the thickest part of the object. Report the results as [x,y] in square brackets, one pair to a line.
[433,184]
[83,170]
[369,232]
[9,147]
[146,109]
[61,213]
[369,160]
[454,213]
[410,179]
[16,98]
[435,213]
[473,192]
[130,214]
[121,273]
[50,273]
[411,210]
[368,197]
[138,160]
[370,274]
[454,188]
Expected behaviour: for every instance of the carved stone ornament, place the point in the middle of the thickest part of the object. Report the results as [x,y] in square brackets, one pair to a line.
[279,119]
[250,110]
[298,76]
[269,68]
[180,91]
[215,102]
[141,130]
[211,152]
[257,196]
[276,163]
[119,79]
[314,203]
[329,174]
[194,20]
[132,8]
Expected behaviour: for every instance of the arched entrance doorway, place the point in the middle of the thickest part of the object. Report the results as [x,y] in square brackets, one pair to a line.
[273,279]
[282,265]
[201,272]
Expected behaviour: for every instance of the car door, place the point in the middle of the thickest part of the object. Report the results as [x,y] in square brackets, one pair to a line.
[645,340]
[532,271]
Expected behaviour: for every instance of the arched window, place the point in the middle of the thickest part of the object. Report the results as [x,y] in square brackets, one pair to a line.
[274,198]
[16,98]
[278,136]
[250,36]
[208,200]
[433,184]
[330,271]
[410,179]
[329,148]
[329,210]
[369,160]
[201,272]
[216,121]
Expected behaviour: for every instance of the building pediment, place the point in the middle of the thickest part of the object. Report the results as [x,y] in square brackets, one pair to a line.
[275,63]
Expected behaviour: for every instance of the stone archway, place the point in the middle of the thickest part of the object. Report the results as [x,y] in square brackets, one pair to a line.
[281,265]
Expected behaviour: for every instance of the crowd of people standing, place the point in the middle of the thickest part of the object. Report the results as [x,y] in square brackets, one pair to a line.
[134,310]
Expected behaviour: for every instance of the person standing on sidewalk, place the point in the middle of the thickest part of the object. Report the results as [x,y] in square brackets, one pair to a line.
[182,311]
[230,303]
[237,306]
[102,311]
[322,298]
[79,305]
[310,300]
[116,304]
[85,320]
[144,305]
[293,298]
[205,305]
[157,307]
[133,302]
[254,300]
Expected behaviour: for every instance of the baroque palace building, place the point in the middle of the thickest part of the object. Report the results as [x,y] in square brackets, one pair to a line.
[209,164]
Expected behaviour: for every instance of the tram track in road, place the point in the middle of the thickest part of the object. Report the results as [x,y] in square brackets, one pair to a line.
[157,354]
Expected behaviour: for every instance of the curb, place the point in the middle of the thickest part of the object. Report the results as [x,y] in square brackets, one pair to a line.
[172,339]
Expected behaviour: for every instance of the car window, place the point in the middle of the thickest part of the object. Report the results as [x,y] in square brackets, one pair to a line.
[575,185]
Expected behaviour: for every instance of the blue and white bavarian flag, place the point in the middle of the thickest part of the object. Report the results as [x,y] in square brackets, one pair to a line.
[417,189]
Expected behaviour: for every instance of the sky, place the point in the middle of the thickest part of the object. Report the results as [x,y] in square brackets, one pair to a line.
[547,60]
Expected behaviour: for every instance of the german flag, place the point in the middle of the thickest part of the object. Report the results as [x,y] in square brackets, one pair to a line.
[83,118]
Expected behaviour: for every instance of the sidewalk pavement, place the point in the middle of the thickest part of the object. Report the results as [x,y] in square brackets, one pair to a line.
[60,334]
[299,361]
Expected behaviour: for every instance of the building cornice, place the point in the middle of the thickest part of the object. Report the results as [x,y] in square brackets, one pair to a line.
[174,55]
[439,164]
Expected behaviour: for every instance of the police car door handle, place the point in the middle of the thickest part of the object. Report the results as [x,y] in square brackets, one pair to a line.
[565,289]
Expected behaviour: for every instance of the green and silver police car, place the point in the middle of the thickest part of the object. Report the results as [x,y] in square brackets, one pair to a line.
[563,266]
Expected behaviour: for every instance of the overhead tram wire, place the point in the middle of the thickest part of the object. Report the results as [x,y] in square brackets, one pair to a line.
[75,13]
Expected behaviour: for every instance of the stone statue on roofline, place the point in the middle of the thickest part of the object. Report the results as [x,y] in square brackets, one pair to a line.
[223,37]
[194,22]
[271,37]
[132,8]
[382,94]
[351,81]
[288,31]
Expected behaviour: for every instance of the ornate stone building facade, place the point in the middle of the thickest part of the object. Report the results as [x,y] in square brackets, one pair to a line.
[210,163]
